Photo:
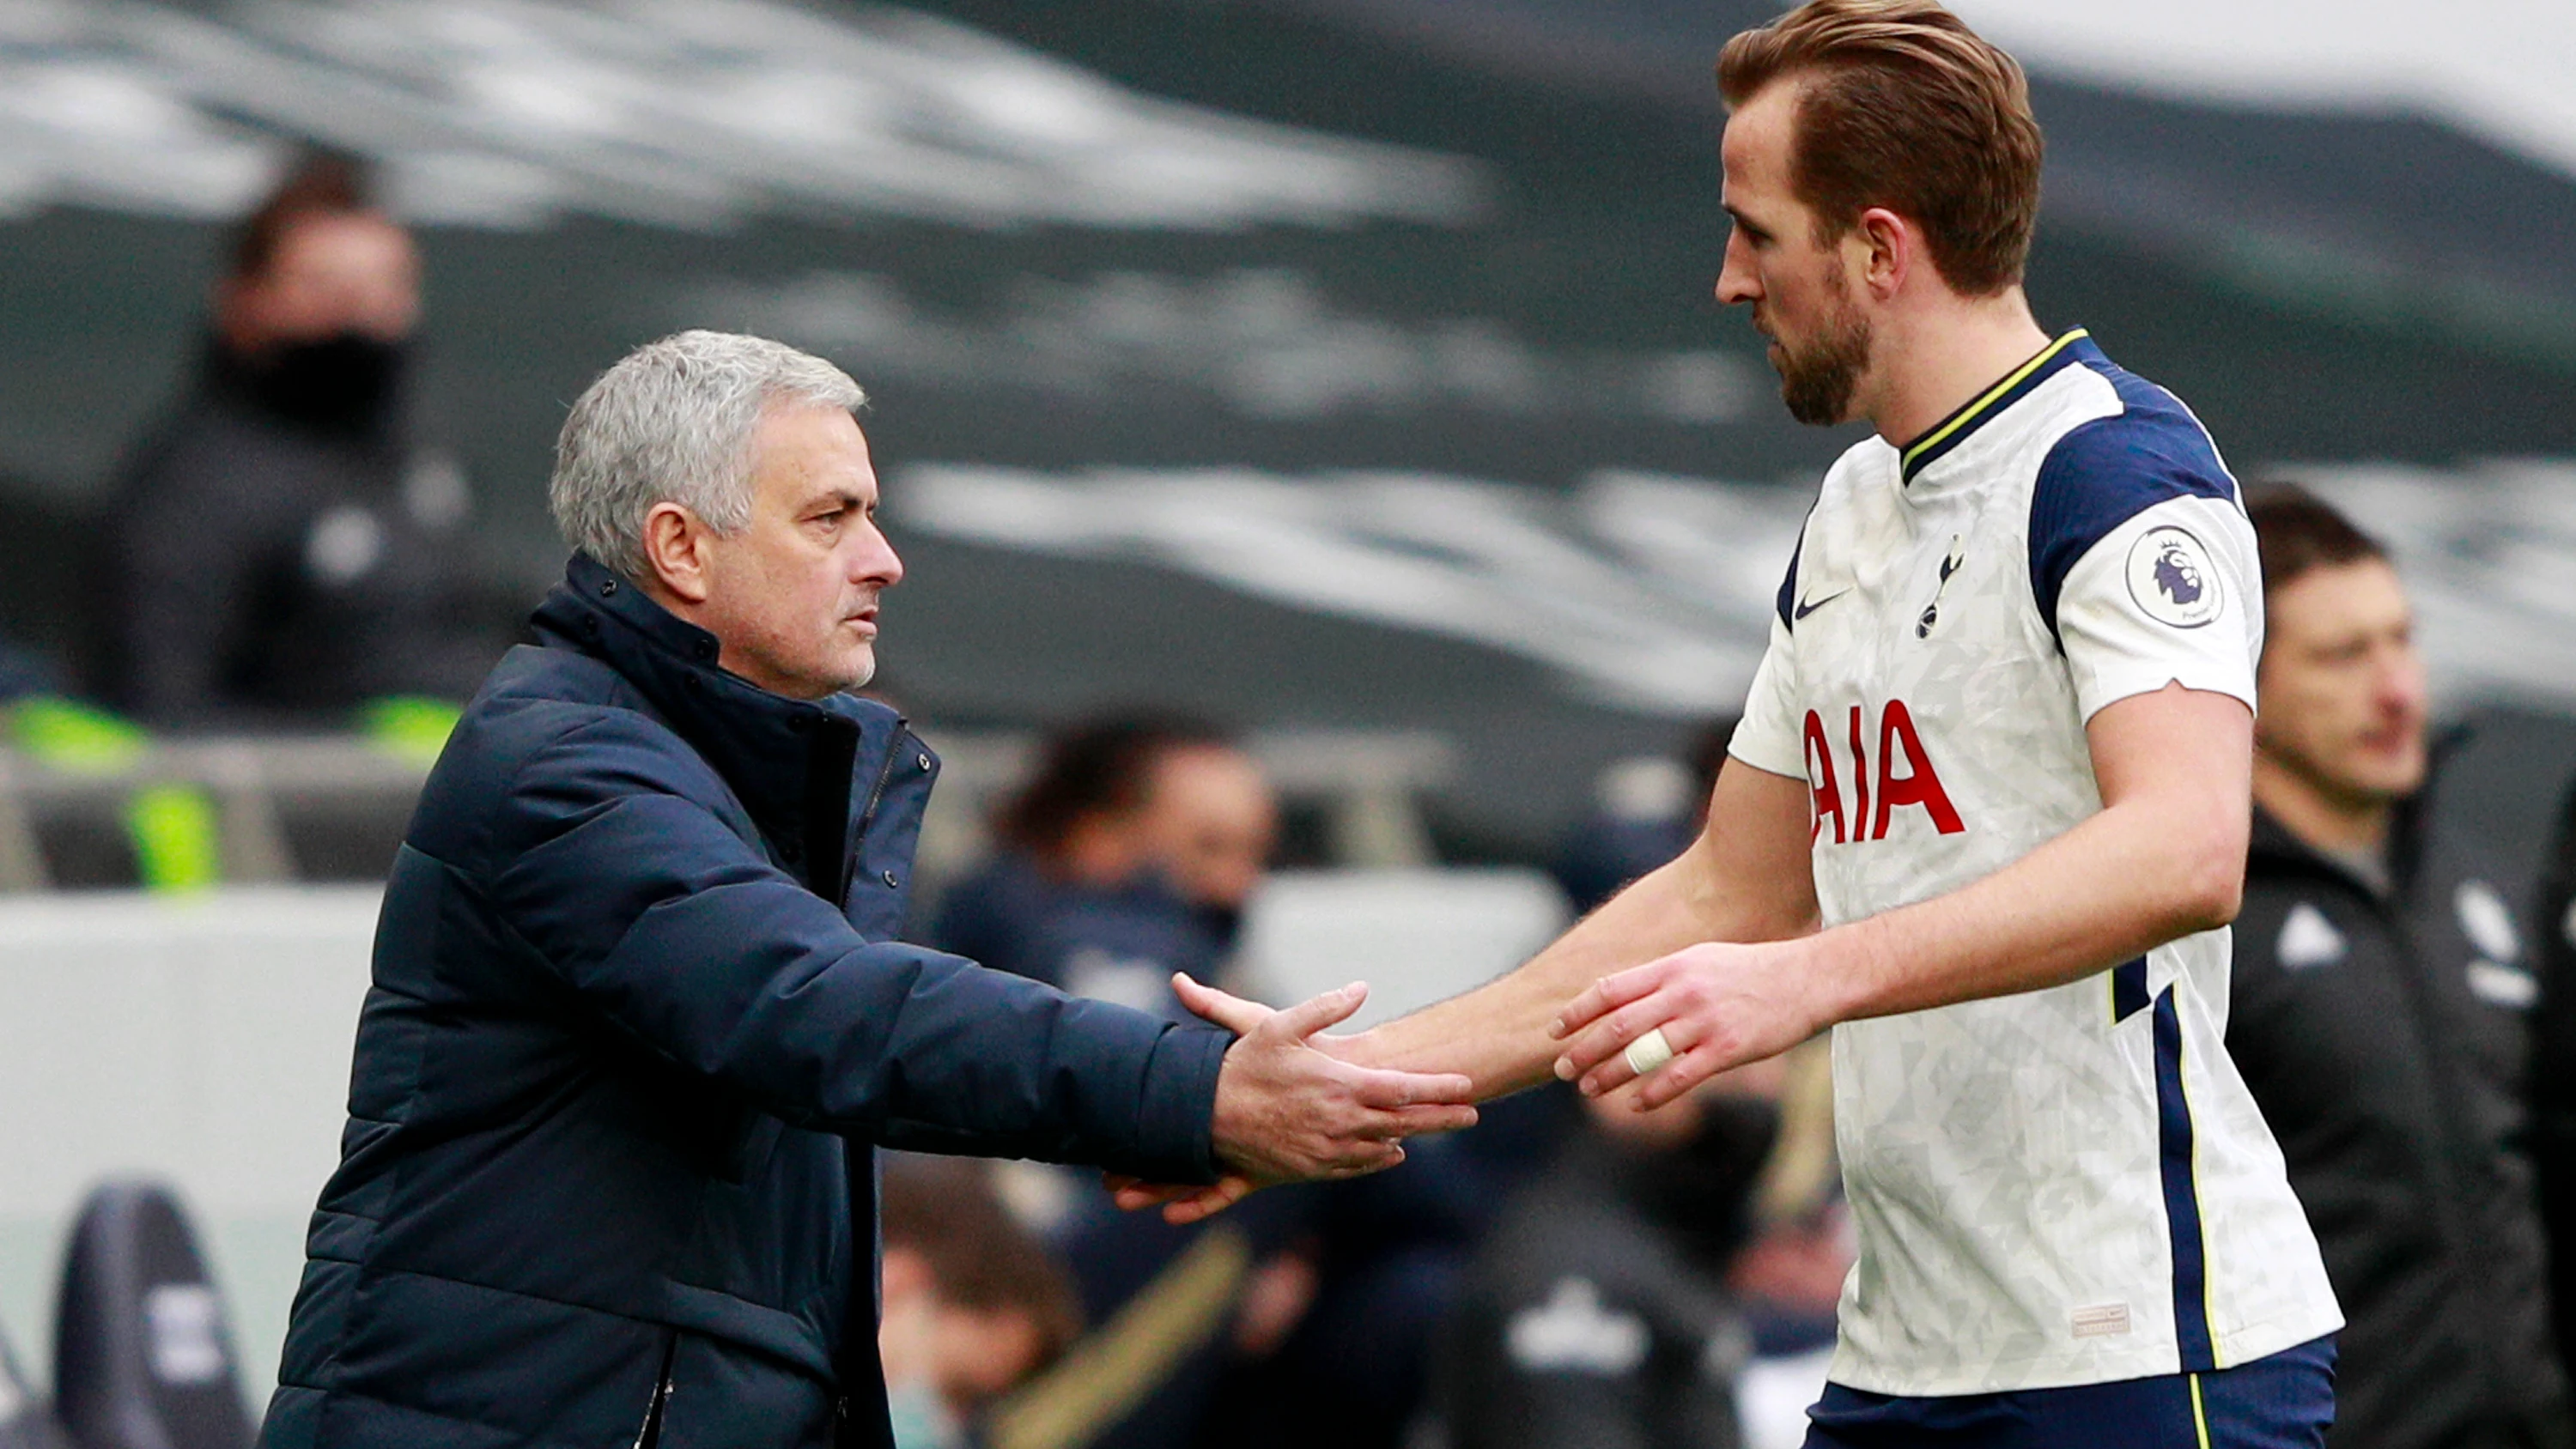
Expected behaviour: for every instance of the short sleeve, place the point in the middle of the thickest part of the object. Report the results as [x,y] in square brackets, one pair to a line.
[2172,594]
[1770,738]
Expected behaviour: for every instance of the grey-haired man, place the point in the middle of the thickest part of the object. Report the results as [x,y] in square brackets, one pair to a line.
[638,1018]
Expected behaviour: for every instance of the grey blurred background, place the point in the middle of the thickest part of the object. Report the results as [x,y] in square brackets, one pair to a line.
[1308,363]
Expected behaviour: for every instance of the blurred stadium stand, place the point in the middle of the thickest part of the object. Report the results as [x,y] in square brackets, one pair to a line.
[1390,315]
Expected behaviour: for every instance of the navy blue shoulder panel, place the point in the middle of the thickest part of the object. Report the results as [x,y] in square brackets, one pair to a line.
[2108,471]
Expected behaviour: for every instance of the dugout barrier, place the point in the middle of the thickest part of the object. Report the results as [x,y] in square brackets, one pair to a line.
[268,810]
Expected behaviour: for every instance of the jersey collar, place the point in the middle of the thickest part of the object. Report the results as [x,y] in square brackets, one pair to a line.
[1955,429]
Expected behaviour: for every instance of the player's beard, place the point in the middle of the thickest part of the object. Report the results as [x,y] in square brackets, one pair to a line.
[1817,376]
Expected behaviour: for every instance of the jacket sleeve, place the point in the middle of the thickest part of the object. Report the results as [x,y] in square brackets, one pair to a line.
[608,860]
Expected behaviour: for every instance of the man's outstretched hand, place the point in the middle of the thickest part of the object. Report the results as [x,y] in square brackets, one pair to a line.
[1288,1112]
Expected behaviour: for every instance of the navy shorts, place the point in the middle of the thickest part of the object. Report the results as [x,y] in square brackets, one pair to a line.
[2281,1402]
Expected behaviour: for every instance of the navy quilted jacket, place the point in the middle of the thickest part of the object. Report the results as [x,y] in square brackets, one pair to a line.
[638,1015]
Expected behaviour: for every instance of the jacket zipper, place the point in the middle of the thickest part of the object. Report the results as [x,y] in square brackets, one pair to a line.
[650,1436]
[868,813]
[885,773]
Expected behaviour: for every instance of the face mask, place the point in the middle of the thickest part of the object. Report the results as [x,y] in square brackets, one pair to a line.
[340,382]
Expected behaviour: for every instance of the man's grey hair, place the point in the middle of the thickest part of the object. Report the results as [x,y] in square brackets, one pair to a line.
[672,422]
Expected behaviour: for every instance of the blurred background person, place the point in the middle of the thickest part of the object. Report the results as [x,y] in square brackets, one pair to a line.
[282,548]
[2380,1015]
[1129,854]
[1647,809]
[973,1303]
[1132,852]
[2553,1074]
[1598,1311]
[1789,1276]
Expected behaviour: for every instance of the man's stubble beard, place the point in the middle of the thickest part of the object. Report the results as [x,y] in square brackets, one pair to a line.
[1818,378]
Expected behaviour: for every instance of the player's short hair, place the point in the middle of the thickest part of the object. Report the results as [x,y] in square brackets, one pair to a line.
[672,422]
[1905,107]
[2295,531]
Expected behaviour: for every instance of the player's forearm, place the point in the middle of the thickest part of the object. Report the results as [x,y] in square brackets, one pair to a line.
[1499,1034]
[2130,879]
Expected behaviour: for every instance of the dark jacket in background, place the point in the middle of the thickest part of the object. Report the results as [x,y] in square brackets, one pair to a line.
[1122,945]
[636,1014]
[257,564]
[2553,1074]
[1110,944]
[1595,1315]
[1387,1248]
[2385,1036]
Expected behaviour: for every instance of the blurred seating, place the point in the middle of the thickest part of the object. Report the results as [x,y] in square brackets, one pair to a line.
[143,1356]
[334,807]
[204,1039]
[279,808]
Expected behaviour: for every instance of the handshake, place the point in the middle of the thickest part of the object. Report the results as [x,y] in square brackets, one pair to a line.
[1293,1106]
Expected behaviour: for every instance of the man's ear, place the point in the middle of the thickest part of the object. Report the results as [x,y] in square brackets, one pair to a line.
[1891,248]
[675,548]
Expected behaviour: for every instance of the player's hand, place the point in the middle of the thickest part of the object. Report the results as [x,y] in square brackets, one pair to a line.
[1287,1111]
[1181,1204]
[1718,1005]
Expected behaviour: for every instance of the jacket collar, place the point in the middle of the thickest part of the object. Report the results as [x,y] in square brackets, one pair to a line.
[2272,850]
[791,762]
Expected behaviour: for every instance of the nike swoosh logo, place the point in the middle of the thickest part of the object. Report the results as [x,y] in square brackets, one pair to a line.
[1809,606]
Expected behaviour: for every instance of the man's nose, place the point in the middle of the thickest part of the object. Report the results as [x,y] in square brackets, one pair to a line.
[878,564]
[2402,687]
[1737,283]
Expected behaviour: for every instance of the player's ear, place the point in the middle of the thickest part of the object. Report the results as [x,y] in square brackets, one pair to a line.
[1890,248]
[675,550]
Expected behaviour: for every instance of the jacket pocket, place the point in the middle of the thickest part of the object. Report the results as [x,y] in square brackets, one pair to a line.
[650,1435]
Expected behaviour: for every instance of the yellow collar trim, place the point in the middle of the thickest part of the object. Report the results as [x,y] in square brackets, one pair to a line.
[1970,413]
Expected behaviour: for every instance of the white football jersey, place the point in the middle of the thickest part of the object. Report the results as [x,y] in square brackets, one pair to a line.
[2072,1185]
